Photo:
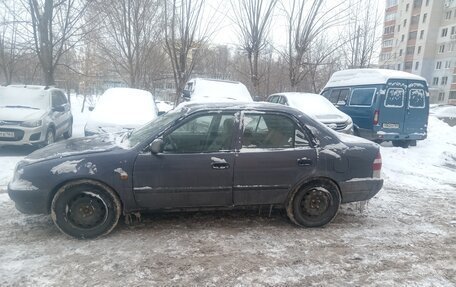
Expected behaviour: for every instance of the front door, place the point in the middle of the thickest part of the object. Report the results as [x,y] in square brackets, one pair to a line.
[195,168]
[274,155]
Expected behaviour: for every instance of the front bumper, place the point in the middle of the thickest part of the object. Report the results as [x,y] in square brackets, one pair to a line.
[30,201]
[23,135]
[360,189]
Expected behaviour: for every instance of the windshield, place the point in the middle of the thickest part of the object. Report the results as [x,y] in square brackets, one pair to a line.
[23,98]
[151,128]
[312,105]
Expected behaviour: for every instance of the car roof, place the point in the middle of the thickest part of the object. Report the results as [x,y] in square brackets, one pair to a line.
[296,94]
[262,106]
[360,77]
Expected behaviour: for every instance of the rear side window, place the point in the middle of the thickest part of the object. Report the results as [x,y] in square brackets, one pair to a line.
[339,96]
[394,98]
[416,98]
[362,97]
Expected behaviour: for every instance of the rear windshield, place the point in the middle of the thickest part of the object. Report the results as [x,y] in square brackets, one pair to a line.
[394,98]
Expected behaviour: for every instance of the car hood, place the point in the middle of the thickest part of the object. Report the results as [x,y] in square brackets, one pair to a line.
[20,114]
[77,146]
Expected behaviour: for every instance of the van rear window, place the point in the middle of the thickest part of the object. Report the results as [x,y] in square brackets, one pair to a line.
[416,98]
[394,98]
[362,97]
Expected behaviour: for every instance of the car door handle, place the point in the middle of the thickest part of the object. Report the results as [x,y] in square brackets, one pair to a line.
[304,161]
[220,165]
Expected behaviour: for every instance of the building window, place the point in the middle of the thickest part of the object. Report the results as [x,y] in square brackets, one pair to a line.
[398,28]
[452,95]
[444,81]
[389,30]
[424,17]
[438,65]
[421,34]
[444,32]
[398,67]
[406,8]
[417,65]
[388,43]
[400,52]
[448,15]
[415,20]
[453,29]
[447,64]
[412,35]
[417,3]
[408,65]
[442,49]
[390,16]
[391,3]
[453,47]
[419,50]
[441,97]
[405,22]
[435,81]
[410,50]
[402,38]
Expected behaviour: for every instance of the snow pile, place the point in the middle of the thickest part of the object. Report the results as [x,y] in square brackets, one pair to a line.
[429,165]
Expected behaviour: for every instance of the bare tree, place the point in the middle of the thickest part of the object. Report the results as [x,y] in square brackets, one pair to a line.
[128,35]
[253,19]
[361,33]
[56,29]
[184,35]
[308,21]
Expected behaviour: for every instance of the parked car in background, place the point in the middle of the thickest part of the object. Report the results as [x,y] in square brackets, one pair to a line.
[164,106]
[120,109]
[446,113]
[211,90]
[318,107]
[33,115]
[253,154]
[385,105]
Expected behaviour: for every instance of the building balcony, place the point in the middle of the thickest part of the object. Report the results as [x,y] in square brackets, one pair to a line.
[411,42]
[388,36]
[453,87]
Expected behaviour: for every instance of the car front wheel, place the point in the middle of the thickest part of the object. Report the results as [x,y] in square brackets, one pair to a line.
[314,204]
[85,209]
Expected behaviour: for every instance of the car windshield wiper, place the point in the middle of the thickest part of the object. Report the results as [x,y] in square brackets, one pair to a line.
[26,107]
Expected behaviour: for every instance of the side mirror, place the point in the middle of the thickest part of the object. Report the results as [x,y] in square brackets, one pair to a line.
[59,109]
[186,94]
[156,146]
[91,108]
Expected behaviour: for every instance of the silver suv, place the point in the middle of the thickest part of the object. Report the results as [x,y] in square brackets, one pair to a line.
[33,115]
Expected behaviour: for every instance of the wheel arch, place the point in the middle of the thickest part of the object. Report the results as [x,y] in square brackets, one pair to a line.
[91,181]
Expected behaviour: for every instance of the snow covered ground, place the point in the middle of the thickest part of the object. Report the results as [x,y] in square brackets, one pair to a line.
[406,236]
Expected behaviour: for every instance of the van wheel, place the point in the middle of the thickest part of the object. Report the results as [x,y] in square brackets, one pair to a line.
[401,143]
[314,204]
[85,209]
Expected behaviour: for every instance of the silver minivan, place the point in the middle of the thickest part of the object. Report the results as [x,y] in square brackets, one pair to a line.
[33,115]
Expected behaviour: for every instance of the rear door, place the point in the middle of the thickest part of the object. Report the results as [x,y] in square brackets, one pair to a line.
[417,111]
[394,106]
[274,155]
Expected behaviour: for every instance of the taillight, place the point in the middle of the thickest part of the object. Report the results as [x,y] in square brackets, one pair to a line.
[376,117]
[377,165]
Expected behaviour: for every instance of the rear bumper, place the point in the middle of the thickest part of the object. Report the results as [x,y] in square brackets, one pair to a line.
[360,189]
[391,136]
[29,201]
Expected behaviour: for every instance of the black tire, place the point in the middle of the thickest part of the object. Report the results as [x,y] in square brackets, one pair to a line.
[315,204]
[85,209]
[50,138]
[69,133]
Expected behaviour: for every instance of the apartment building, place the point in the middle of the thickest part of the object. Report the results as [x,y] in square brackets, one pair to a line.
[419,37]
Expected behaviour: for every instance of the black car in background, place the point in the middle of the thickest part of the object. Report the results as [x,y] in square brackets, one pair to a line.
[200,155]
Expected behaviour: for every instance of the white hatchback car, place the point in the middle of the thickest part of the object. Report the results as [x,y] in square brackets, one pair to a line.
[33,115]
[121,109]
[318,107]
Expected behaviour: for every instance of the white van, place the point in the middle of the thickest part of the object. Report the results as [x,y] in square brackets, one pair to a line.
[121,109]
[211,90]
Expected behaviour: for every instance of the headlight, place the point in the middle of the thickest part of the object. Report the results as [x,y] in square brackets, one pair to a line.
[32,124]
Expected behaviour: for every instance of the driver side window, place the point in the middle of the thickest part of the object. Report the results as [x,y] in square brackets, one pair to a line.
[209,133]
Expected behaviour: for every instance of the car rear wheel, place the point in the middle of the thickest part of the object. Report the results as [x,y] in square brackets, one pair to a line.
[314,204]
[401,143]
[85,209]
